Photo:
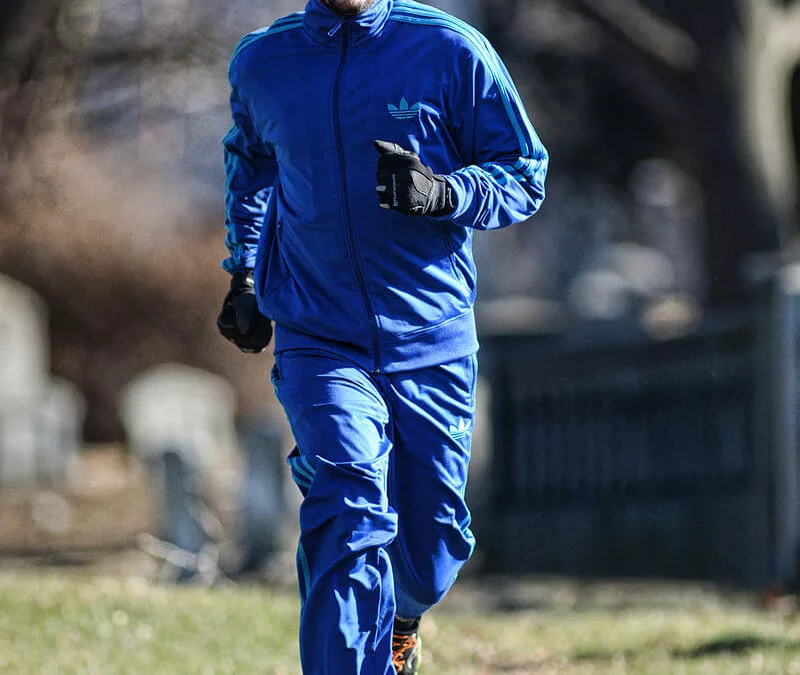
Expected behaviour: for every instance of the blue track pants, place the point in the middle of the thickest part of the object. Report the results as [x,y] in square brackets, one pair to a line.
[381,461]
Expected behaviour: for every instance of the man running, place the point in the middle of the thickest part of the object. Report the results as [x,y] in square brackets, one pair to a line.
[371,139]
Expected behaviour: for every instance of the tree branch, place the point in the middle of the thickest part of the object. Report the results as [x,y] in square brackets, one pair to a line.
[645,30]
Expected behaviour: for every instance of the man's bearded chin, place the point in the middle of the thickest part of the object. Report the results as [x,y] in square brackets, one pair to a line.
[349,7]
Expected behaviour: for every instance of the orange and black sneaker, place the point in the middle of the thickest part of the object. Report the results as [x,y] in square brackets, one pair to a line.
[406,647]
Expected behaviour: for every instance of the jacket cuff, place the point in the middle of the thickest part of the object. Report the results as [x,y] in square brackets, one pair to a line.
[244,264]
[460,199]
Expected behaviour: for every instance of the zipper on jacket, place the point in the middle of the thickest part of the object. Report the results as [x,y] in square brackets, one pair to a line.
[349,229]
[332,32]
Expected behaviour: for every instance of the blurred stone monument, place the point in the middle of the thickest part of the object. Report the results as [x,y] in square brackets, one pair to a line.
[264,508]
[40,417]
[180,424]
[175,406]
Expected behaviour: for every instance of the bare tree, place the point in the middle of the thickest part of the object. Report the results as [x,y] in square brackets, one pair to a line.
[771,45]
[122,257]
[673,72]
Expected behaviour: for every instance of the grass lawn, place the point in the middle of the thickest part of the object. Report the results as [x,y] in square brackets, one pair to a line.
[74,624]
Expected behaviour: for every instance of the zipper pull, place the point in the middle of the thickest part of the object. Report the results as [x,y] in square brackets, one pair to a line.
[336,28]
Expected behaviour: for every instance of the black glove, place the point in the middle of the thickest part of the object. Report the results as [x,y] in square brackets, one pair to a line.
[406,185]
[240,320]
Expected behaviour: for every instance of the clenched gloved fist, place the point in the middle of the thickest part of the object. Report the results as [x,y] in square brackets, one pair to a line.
[240,320]
[406,185]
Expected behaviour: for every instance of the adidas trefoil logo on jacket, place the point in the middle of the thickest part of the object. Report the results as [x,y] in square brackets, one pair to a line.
[404,111]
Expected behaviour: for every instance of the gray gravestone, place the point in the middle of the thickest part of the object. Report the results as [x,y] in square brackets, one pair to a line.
[40,418]
[263,503]
[180,424]
[178,407]
[24,358]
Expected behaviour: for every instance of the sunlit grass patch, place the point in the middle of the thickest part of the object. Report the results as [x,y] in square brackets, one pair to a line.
[72,624]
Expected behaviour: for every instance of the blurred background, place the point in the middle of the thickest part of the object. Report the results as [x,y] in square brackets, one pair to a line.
[639,402]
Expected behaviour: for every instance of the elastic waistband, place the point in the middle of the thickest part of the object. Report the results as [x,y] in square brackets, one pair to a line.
[448,341]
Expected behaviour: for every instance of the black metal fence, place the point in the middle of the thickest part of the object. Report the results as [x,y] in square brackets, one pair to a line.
[629,456]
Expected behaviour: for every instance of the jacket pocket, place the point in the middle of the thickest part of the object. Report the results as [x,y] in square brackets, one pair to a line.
[451,254]
[457,270]
[274,271]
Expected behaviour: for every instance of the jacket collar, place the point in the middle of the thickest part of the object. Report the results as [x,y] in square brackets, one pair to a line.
[326,26]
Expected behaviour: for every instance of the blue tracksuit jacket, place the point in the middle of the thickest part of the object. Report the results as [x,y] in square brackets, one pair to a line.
[309,95]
